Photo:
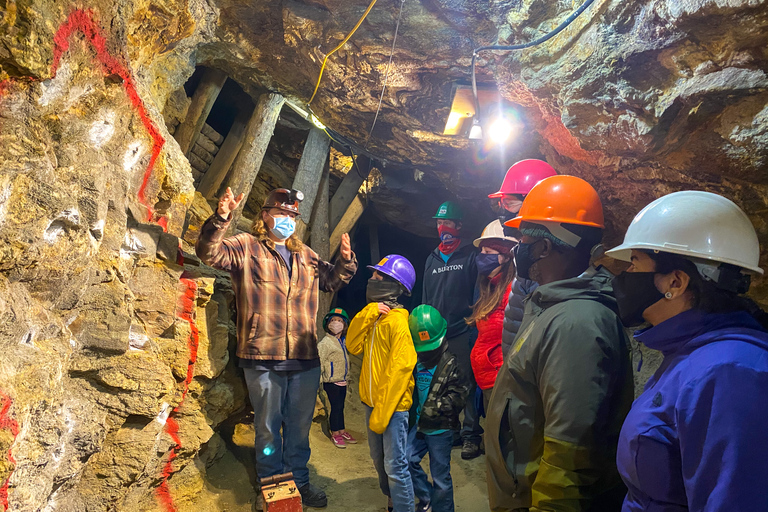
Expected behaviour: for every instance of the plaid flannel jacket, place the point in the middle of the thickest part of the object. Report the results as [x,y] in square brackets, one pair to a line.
[275,314]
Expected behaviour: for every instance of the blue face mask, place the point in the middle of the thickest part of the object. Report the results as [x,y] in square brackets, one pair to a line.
[487,263]
[284,227]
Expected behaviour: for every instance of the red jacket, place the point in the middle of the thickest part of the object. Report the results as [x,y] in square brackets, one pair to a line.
[486,355]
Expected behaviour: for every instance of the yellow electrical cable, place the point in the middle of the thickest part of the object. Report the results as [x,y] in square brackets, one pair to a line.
[342,43]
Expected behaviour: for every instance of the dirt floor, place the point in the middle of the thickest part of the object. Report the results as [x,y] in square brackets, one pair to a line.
[347,475]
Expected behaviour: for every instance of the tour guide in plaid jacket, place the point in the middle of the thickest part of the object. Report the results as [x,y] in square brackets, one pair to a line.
[276,326]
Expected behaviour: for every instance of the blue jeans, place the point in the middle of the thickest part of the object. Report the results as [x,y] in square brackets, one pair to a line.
[389,452]
[283,399]
[440,492]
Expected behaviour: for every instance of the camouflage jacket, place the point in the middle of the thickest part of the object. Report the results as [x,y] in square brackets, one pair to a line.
[447,396]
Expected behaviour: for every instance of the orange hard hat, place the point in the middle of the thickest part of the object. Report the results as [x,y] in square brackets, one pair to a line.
[565,199]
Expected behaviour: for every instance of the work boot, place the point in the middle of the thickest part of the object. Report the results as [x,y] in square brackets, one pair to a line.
[424,507]
[312,496]
[258,506]
[470,450]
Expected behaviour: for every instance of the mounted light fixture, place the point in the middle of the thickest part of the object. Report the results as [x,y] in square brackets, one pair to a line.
[476,91]
[463,118]
[306,114]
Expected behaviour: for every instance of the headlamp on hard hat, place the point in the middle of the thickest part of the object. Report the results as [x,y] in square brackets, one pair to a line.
[284,199]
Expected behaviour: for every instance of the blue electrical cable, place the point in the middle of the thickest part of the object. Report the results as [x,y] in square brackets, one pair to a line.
[523,46]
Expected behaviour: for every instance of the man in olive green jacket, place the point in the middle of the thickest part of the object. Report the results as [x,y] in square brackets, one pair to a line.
[566,384]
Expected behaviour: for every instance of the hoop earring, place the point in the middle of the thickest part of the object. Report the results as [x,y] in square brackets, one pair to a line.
[668,295]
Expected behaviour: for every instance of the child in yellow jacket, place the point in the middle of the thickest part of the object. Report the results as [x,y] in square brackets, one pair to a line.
[380,332]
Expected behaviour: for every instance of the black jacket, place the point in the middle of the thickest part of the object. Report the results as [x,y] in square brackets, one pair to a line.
[449,287]
[446,399]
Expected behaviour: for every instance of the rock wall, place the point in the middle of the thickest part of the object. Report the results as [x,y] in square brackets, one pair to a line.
[115,344]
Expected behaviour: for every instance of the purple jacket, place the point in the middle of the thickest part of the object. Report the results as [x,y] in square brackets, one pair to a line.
[696,438]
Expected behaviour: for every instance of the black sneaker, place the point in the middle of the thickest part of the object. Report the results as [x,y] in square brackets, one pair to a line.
[313,497]
[424,507]
[470,450]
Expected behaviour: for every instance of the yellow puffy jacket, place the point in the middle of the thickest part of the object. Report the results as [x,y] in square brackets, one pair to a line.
[386,379]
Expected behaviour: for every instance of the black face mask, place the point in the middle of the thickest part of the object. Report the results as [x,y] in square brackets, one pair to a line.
[523,259]
[382,291]
[430,358]
[635,292]
[504,216]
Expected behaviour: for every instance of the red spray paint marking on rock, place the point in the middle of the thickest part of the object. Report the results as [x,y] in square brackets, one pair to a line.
[82,21]
[9,424]
[185,310]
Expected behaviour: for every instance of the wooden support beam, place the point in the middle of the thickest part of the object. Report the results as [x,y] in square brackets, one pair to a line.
[320,241]
[310,170]
[309,174]
[202,101]
[349,188]
[347,222]
[229,150]
[258,133]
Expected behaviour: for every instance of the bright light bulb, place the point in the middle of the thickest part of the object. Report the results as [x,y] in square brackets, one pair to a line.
[499,130]
[316,121]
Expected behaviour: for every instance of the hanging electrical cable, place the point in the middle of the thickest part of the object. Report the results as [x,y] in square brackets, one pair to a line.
[342,43]
[514,47]
[386,74]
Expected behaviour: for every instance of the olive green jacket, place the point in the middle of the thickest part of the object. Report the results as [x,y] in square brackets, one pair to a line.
[559,402]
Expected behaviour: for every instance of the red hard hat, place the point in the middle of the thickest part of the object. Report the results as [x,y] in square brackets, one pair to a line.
[522,176]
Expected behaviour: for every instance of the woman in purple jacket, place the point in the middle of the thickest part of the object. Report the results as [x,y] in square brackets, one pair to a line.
[695,439]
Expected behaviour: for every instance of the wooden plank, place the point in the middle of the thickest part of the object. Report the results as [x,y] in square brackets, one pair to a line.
[207,144]
[320,241]
[347,222]
[349,188]
[202,101]
[202,154]
[258,133]
[310,170]
[229,150]
[212,134]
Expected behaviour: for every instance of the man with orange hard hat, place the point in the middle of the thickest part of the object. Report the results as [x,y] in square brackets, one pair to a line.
[566,385]
[518,182]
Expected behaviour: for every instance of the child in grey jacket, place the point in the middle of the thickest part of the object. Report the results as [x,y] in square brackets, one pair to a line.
[334,363]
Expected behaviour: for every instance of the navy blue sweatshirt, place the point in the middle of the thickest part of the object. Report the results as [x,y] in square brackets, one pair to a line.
[449,287]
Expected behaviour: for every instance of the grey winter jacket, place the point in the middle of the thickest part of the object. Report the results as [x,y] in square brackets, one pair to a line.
[334,363]
[513,315]
[559,401]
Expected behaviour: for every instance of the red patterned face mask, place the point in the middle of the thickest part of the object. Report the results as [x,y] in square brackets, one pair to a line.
[449,239]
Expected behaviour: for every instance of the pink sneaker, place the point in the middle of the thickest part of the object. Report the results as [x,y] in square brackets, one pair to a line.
[338,440]
[348,437]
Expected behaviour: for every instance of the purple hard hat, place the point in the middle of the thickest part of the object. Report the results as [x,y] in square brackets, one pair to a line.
[398,268]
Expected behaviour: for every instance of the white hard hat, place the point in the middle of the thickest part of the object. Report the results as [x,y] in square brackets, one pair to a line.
[697,224]
[494,230]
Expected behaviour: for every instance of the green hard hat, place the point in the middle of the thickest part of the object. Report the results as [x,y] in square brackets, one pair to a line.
[335,312]
[449,211]
[427,328]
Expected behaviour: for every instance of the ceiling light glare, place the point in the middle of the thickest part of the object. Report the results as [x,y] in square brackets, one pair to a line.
[499,130]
